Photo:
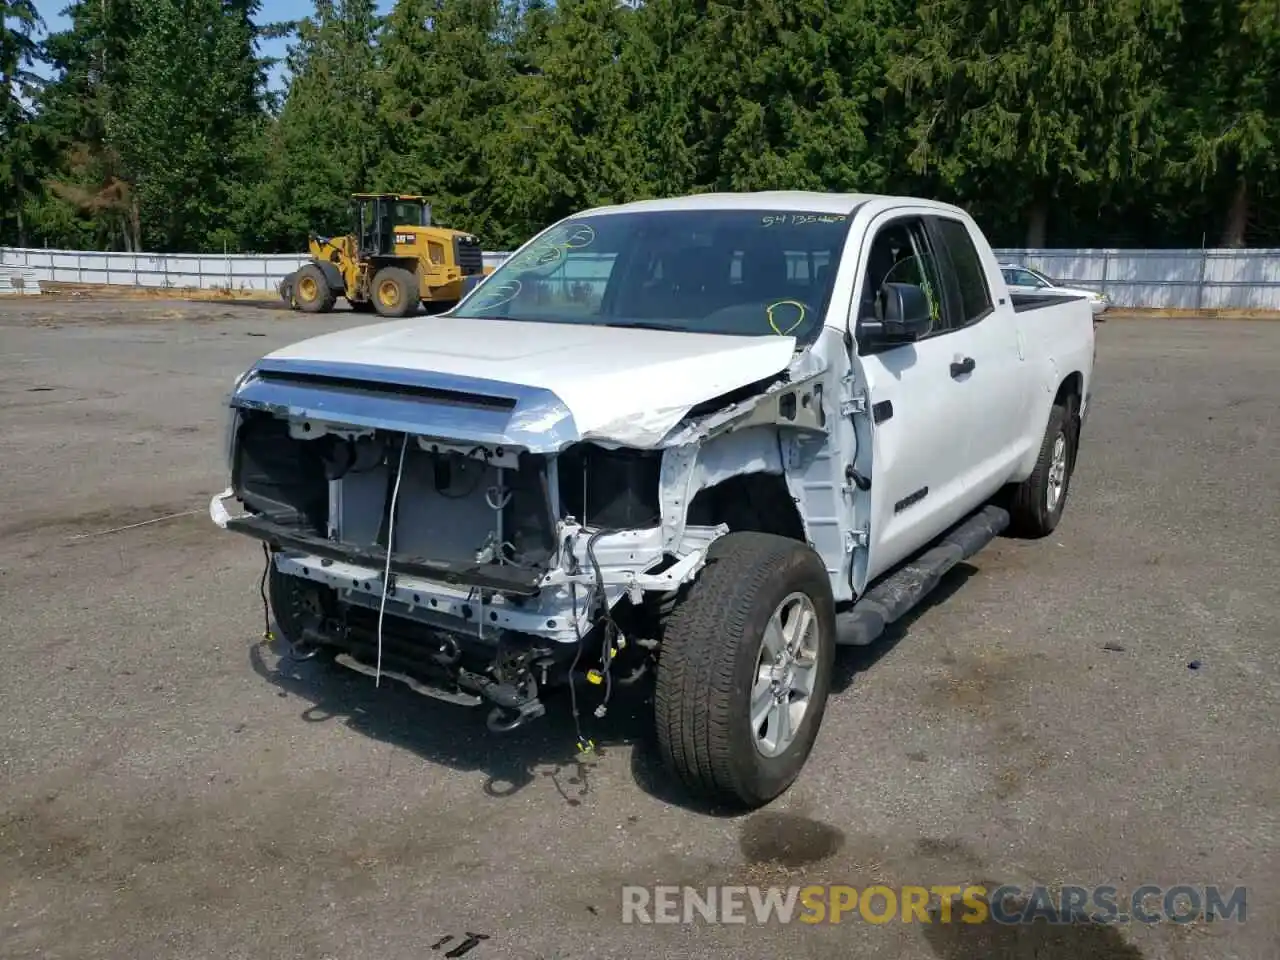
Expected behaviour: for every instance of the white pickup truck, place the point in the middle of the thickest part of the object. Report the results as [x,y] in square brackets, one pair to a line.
[706,439]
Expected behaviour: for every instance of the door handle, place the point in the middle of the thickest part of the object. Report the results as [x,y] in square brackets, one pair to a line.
[960,367]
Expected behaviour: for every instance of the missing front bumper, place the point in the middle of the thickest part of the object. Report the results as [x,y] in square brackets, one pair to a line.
[521,581]
[630,564]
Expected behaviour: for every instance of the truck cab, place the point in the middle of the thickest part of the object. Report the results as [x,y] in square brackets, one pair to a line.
[698,442]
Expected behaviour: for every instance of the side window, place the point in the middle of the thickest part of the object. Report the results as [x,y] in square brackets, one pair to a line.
[901,252]
[966,268]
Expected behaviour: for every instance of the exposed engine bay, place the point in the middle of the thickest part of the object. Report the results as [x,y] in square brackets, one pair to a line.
[477,570]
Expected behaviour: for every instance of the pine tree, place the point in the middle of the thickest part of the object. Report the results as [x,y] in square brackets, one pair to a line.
[446,76]
[327,140]
[191,99]
[18,85]
[1017,106]
[1225,82]
[572,140]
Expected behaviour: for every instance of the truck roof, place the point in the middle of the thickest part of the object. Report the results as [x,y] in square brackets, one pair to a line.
[808,200]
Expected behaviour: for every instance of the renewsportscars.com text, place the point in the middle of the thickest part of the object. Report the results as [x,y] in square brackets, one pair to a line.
[968,903]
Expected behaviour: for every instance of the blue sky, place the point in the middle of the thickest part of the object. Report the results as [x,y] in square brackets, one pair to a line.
[272,10]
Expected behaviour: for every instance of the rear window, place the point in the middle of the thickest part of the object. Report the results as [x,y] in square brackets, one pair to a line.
[975,297]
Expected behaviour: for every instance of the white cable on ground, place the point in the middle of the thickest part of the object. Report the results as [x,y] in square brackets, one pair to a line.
[386,573]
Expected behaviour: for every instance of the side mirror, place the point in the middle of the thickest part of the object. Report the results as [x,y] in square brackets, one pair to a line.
[905,315]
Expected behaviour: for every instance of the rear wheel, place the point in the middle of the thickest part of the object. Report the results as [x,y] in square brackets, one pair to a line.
[744,669]
[311,290]
[395,292]
[1036,504]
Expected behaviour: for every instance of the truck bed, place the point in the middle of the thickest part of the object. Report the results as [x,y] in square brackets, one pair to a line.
[1026,302]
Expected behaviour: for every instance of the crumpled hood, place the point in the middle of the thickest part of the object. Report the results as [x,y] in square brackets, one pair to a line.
[629,386]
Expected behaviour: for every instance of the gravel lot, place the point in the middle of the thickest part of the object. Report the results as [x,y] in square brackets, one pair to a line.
[170,788]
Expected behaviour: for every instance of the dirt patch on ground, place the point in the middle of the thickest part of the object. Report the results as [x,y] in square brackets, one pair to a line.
[78,291]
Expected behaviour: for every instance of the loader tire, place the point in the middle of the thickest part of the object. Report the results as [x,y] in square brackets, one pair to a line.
[395,292]
[311,290]
[718,673]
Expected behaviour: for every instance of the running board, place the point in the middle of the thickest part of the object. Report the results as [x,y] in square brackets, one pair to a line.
[896,594]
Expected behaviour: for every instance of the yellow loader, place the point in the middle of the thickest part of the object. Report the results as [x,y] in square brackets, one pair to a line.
[392,260]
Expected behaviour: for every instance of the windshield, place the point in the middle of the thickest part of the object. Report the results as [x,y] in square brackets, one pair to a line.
[733,272]
[408,213]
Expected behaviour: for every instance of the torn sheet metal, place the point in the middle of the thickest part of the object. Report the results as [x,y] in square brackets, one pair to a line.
[762,434]
[643,430]
[563,609]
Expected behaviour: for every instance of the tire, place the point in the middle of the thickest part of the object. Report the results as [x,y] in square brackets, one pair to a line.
[708,667]
[1036,504]
[395,292]
[296,604]
[311,292]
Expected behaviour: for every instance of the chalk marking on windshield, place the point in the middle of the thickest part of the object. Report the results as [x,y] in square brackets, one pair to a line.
[576,236]
[502,295]
[785,303]
[540,256]
[581,235]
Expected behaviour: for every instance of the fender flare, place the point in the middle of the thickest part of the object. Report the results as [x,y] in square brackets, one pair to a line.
[285,286]
[331,275]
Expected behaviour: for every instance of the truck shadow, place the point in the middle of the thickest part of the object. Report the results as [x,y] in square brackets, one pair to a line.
[547,749]
[852,661]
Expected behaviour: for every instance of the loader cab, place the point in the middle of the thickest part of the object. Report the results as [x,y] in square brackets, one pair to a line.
[375,218]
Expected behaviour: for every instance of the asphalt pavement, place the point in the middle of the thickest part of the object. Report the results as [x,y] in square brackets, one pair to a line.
[1099,707]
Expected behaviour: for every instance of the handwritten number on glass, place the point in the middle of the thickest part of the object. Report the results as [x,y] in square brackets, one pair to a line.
[800,219]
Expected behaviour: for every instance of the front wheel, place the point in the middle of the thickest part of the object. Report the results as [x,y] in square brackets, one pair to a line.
[395,292]
[311,290]
[297,604]
[745,668]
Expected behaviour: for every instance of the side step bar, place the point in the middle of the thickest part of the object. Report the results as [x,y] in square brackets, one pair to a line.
[897,593]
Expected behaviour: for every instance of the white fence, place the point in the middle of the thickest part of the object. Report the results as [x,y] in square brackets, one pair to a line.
[1172,279]
[191,271]
[174,270]
[1178,279]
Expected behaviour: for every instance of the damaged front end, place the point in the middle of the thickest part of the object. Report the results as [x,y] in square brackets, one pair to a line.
[457,535]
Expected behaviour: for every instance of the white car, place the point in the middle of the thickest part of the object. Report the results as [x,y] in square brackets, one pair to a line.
[702,440]
[1027,281]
